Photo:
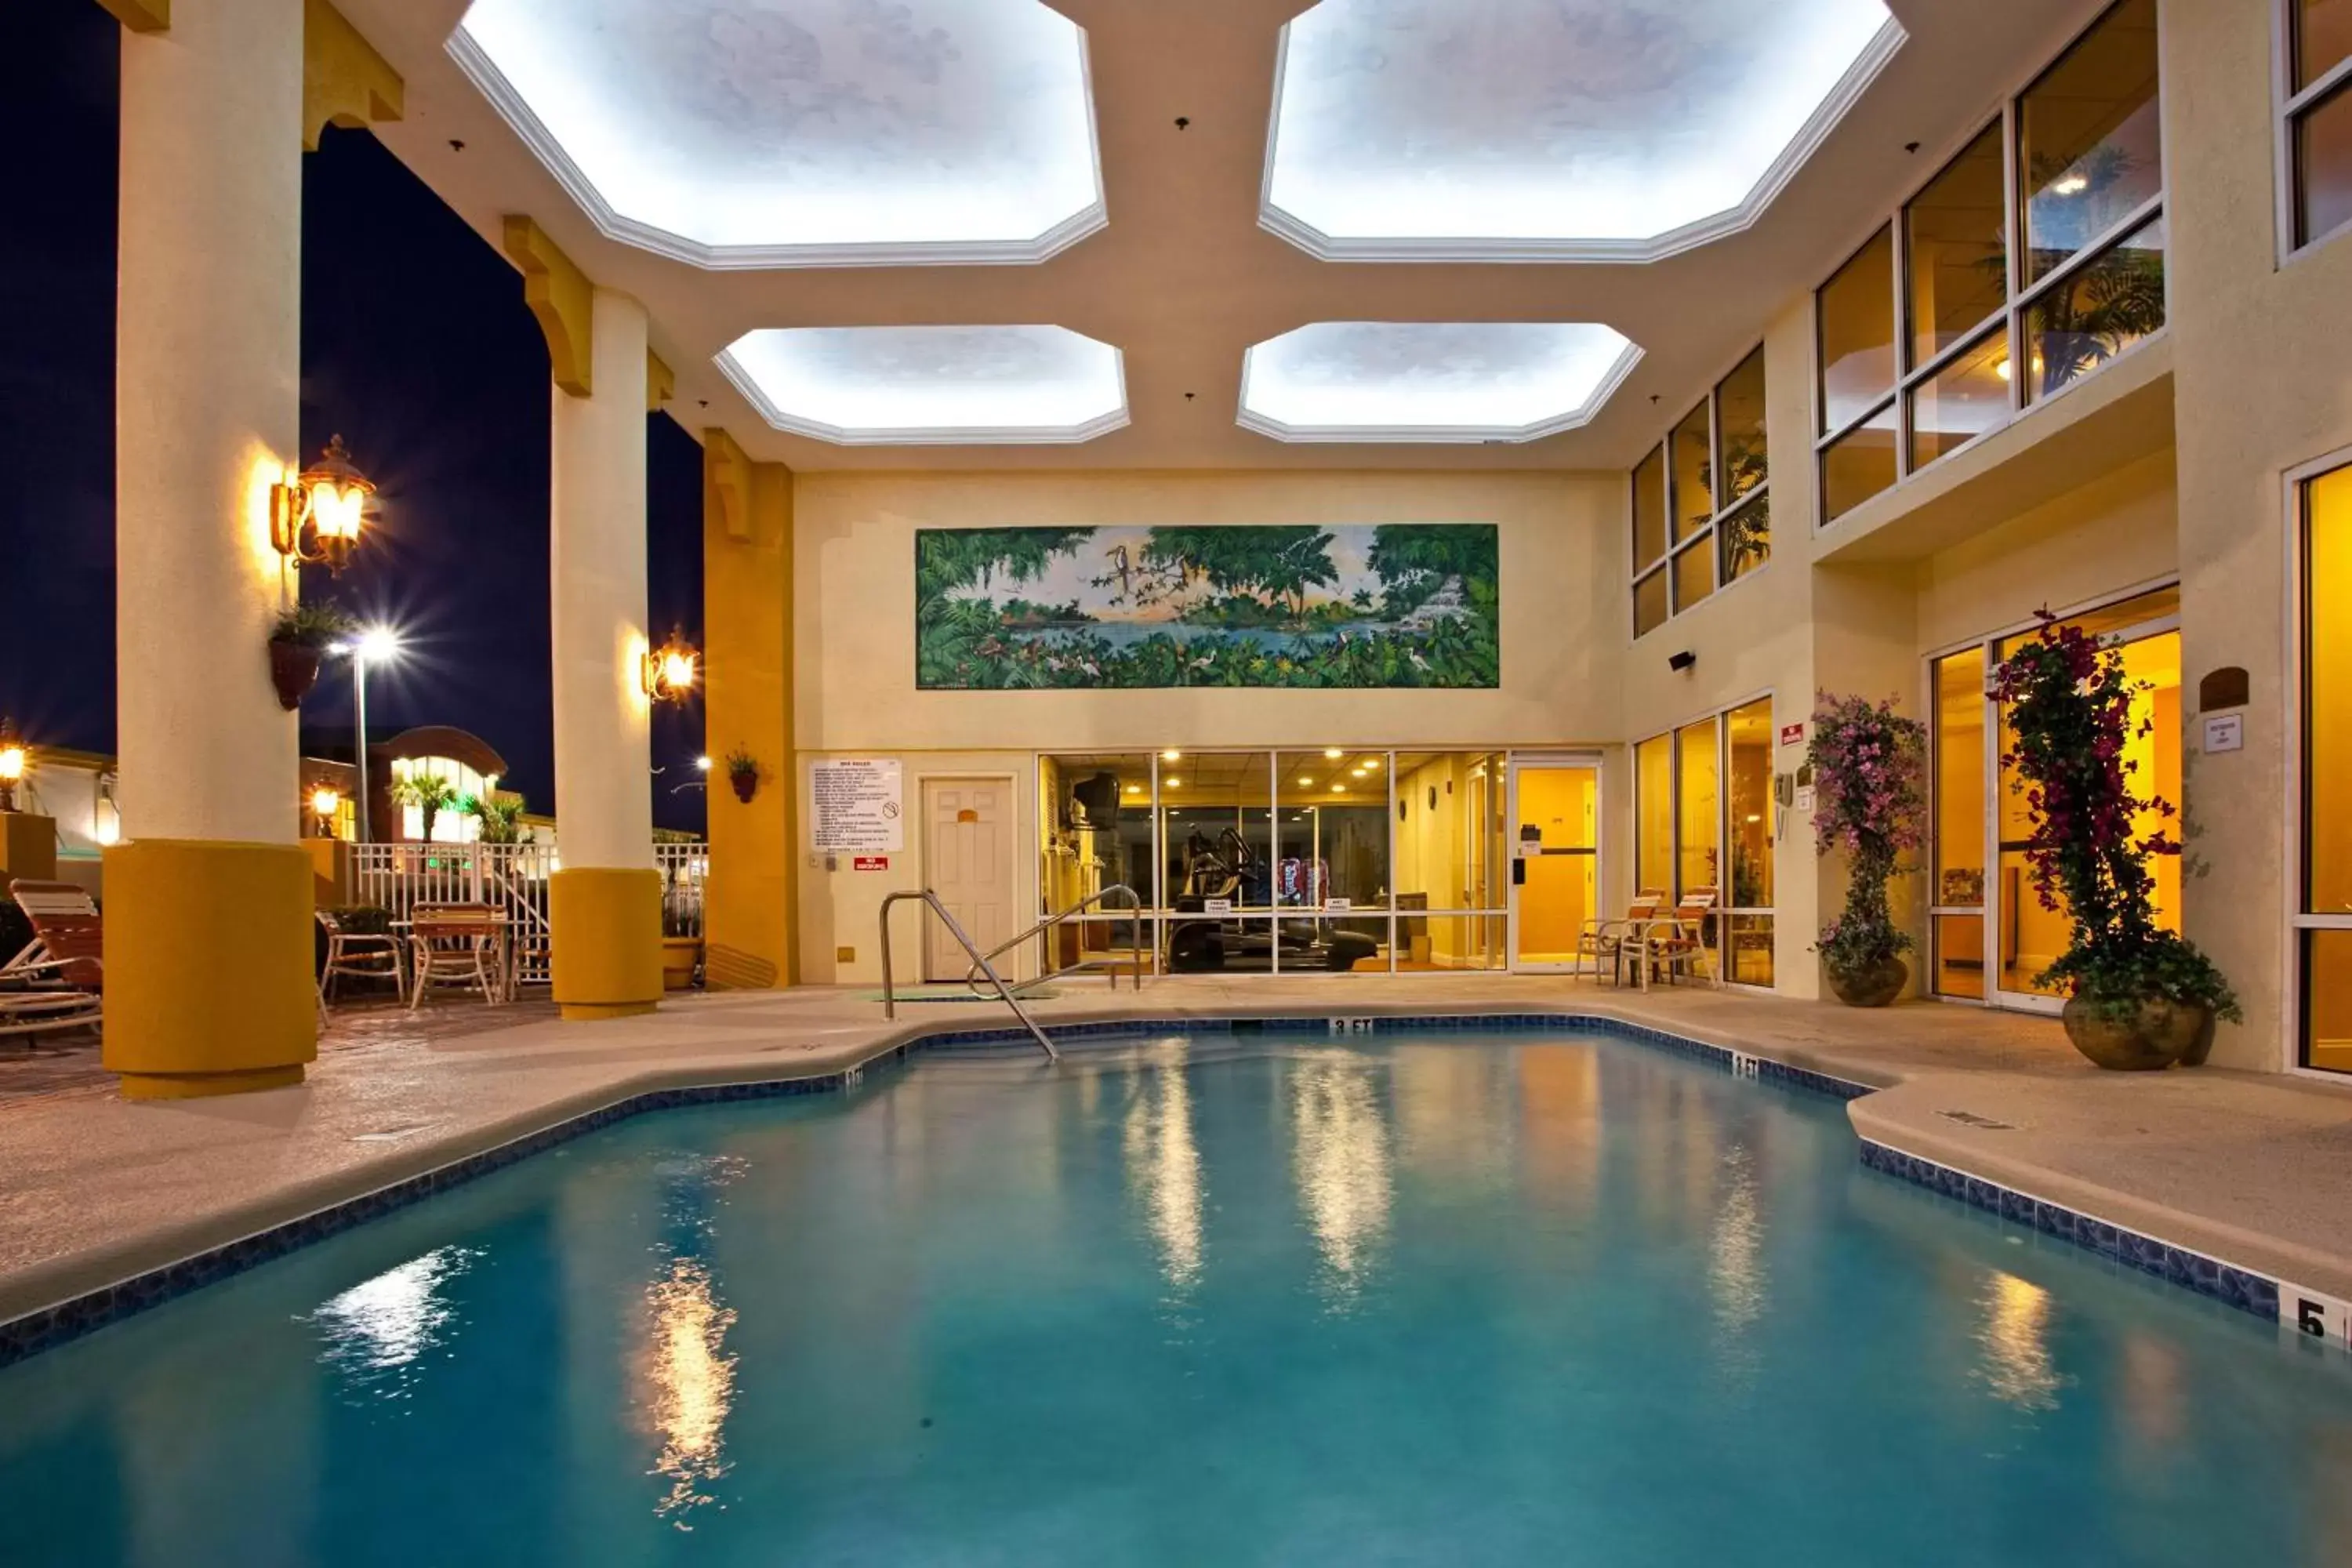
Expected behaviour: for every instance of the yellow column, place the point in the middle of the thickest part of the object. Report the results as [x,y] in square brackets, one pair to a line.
[747,575]
[605,904]
[208,899]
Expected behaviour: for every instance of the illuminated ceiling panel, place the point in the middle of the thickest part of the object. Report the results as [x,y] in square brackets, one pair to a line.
[929,385]
[1431,380]
[802,133]
[1553,130]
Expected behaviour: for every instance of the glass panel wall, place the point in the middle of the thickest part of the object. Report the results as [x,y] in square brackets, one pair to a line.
[1331,858]
[1751,825]
[1698,810]
[1958,735]
[1450,856]
[1653,826]
[1216,855]
[2083,187]
[1702,495]
[2319,116]
[2325,906]
[1095,833]
[1697,790]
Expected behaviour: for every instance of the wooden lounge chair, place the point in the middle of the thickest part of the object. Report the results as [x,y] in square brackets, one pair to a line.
[54,984]
[1605,941]
[1678,940]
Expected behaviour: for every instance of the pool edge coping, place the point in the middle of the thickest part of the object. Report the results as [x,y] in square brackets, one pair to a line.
[361,1193]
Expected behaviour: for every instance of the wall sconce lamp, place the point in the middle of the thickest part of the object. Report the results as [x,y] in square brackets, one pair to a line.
[1678,662]
[11,764]
[672,669]
[318,518]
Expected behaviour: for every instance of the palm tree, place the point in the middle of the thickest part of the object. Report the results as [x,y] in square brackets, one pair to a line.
[500,816]
[430,794]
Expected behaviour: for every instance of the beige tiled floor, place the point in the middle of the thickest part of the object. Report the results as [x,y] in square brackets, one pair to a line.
[2255,1170]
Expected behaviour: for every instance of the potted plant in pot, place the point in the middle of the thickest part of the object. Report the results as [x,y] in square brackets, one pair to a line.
[743,773]
[297,641]
[1869,800]
[2138,996]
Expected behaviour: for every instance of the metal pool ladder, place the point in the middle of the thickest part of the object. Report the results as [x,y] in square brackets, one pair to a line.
[1111,965]
[980,961]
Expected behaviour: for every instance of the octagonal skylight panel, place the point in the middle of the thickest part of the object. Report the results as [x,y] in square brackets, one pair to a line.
[931,385]
[1431,380]
[802,133]
[1553,130]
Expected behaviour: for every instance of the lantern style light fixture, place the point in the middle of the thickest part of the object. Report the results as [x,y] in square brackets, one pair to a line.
[672,669]
[11,764]
[325,801]
[318,517]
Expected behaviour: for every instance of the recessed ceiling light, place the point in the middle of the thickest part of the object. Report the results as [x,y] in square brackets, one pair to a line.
[1173,783]
[1304,781]
[802,133]
[927,385]
[1333,752]
[1553,130]
[1431,380]
[1171,755]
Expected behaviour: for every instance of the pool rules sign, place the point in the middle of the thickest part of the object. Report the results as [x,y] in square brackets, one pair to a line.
[859,806]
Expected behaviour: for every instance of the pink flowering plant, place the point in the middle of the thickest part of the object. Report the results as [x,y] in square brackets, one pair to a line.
[2068,705]
[1870,799]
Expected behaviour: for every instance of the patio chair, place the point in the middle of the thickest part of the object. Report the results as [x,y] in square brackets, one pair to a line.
[1605,940]
[68,950]
[457,945]
[359,955]
[1678,940]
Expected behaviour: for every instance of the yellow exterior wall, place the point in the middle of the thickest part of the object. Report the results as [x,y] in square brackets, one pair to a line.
[746,546]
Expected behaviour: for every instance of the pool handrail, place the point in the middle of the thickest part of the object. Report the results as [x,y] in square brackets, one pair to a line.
[889,994]
[1134,942]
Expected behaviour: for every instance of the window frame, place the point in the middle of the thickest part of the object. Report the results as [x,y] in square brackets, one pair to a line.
[2292,107]
[2296,881]
[1706,535]
[2010,319]
[1723,912]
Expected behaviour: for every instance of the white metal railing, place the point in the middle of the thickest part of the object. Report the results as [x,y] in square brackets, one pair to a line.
[512,877]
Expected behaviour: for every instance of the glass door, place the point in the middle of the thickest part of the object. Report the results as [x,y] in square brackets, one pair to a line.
[1554,846]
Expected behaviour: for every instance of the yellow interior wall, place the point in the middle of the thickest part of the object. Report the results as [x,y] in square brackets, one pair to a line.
[747,692]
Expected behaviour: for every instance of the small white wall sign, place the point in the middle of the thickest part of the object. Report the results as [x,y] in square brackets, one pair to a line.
[2225,732]
[859,806]
[1804,798]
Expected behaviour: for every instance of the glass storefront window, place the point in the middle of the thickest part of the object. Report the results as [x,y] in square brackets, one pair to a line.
[1216,847]
[1858,465]
[1653,831]
[2327,782]
[1650,508]
[1698,810]
[1960,402]
[2090,139]
[1744,539]
[1748,741]
[2323,166]
[1855,317]
[1955,249]
[1694,575]
[1694,489]
[2097,313]
[1331,837]
[1650,603]
[1739,427]
[1959,730]
[1094,829]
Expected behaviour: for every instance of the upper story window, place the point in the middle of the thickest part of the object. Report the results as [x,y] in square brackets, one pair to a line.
[2040,244]
[1702,517]
[2317,124]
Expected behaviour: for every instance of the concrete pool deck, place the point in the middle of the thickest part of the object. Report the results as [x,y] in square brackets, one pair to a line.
[2254,1170]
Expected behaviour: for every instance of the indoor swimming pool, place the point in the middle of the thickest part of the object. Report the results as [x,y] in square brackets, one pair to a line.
[1428,1296]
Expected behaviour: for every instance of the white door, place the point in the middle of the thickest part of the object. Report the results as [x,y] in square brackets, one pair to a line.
[968,862]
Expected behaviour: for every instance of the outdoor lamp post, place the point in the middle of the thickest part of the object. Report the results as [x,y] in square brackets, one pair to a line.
[377,645]
[324,800]
[11,764]
[318,515]
[671,670]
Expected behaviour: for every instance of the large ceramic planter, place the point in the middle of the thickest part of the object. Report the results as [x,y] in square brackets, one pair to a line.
[2155,1035]
[293,669]
[679,956]
[1874,986]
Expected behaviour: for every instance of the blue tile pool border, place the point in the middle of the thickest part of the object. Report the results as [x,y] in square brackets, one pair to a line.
[47,1327]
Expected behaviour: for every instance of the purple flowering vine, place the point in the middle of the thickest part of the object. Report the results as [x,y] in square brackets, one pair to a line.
[1869,800]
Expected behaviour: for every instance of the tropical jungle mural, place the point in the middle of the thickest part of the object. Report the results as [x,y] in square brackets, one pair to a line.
[1397,605]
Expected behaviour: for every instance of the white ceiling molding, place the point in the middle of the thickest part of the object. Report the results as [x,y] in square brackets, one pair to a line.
[1326,189]
[1438,382]
[740,134]
[931,385]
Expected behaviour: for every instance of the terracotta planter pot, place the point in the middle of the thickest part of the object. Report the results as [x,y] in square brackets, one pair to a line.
[293,669]
[679,955]
[746,785]
[2159,1034]
[1872,987]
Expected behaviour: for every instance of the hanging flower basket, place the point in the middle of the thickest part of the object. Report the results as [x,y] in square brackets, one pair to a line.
[293,671]
[743,773]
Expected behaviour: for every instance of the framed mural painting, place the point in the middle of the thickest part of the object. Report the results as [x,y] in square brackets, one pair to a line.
[1355,605]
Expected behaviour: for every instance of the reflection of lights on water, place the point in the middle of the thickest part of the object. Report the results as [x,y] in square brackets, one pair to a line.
[1342,1155]
[690,1385]
[2016,1342]
[1164,1165]
[1735,1271]
[383,1325]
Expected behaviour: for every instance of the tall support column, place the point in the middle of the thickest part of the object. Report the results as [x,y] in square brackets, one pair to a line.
[748,915]
[605,904]
[208,900]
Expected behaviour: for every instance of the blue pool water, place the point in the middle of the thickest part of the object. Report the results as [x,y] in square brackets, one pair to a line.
[1424,1298]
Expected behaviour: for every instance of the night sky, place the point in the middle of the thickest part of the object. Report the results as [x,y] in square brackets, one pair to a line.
[417,347]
